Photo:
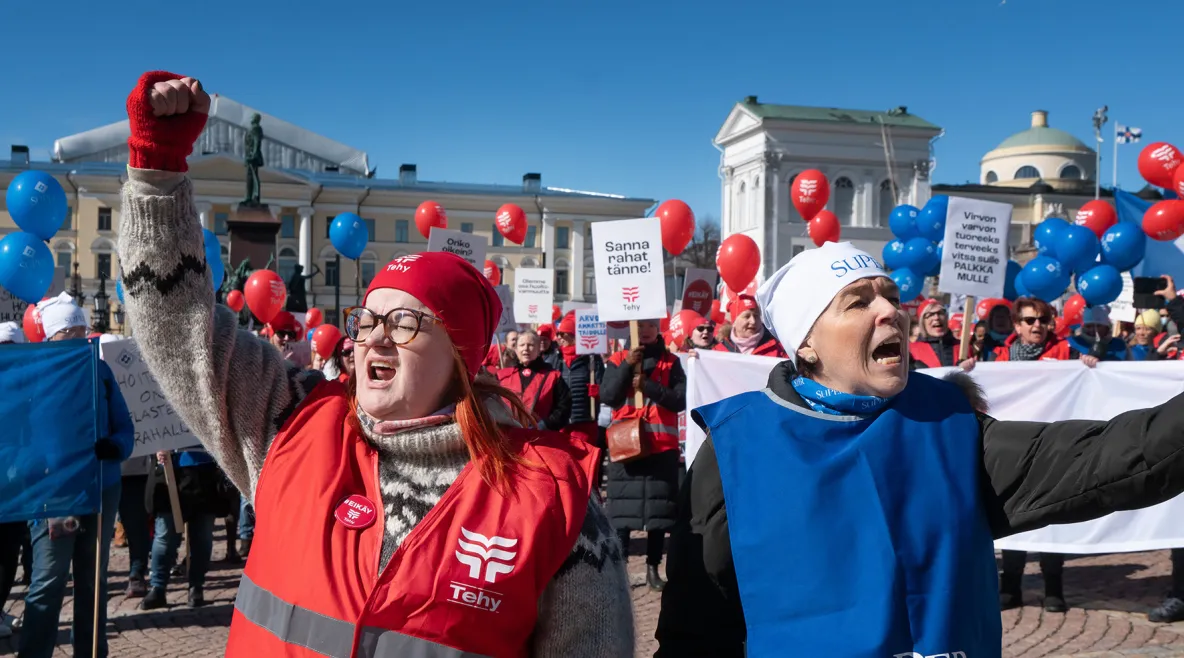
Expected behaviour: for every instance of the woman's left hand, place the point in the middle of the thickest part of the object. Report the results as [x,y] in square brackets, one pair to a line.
[968,364]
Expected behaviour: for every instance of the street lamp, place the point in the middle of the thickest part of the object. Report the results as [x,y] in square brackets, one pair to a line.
[76,285]
[119,318]
[100,320]
[1100,120]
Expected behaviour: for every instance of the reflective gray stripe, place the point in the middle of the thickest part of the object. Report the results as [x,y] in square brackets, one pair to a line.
[660,429]
[328,636]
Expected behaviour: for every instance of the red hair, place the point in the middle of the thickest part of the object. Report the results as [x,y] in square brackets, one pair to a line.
[488,446]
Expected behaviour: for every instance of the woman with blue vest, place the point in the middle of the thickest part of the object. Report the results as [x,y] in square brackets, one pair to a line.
[849,509]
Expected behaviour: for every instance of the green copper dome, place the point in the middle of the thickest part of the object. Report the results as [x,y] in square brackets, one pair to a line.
[1041,135]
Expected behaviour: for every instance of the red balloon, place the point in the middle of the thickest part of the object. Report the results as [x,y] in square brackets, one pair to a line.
[492,273]
[1164,221]
[717,316]
[1074,308]
[810,192]
[1178,182]
[511,222]
[265,293]
[325,339]
[313,318]
[1063,328]
[678,225]
[738,261]
[982,310]
[683,323]
[697,296]
[429,214]
[1158,163]
[824,228]
[956,323]
[31,323]
[1097,216]
[556,313]
[664,324]
[235,300]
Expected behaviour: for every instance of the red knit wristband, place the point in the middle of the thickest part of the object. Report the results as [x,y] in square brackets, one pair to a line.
[160,143]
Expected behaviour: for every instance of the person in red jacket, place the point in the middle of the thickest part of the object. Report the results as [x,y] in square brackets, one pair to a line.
[540,387]
[413,511]
[1034,338]
[748,334]
[936,346]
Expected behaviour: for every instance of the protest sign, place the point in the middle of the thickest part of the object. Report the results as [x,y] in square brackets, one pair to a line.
[1123,308]
[698,290]
[12,309]
[591,333]
[466,245]
[567,307]
[158,427]
[974,253]
[506,323]
[533,294]
[630,278]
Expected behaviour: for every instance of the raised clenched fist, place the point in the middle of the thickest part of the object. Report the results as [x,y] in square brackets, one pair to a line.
[178,97]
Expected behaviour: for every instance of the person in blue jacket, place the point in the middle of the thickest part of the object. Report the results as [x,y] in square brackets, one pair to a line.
[65,546]
[849,508]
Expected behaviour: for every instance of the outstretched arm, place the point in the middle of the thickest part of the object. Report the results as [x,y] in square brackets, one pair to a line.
[232,389]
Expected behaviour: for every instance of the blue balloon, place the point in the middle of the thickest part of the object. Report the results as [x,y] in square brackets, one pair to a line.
[903,222]
[1076,247]
[893,255]
[932,221]
[1123,245]
[1046,234]
[37,203]
[217,273]
[1045,278]
[308,336]
[1011,281]
[349,235]
[119,290]
[26,266]
[908,283]
[1100,285]
[213,247]
[920,254]
[1020,290]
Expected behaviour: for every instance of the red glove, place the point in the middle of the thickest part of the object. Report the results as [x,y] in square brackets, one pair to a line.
[161,142]
[594,390]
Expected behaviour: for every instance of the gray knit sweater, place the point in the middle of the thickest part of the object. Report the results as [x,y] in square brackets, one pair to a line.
[235,391]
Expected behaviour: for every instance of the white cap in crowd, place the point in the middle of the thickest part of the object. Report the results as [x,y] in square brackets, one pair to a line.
[797,294]
[59,313]
[10,332]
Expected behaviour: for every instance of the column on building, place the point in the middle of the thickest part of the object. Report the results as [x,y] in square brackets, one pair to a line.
[771,213]
[919,191]
[549,240]
[577,260]
[867,205]
[726,223]
[304,233]
[205,211]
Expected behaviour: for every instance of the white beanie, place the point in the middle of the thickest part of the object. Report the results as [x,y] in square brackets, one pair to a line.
[10,332]
[1096,315]
[797,294]
[58,313]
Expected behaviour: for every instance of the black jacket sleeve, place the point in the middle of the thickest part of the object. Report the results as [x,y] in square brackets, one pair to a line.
[701,614]
[1175,309]
[560,405]
[615,385]
[1039,474]
[673,396]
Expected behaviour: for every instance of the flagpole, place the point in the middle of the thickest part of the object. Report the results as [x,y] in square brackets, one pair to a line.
[1115,179]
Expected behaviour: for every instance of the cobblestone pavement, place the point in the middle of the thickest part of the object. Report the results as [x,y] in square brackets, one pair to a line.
[1109,595]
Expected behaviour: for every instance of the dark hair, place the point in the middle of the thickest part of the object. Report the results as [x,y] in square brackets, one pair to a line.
[970,388]
[1039,305]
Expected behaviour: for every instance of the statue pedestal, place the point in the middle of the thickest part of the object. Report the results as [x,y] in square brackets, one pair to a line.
[252,235]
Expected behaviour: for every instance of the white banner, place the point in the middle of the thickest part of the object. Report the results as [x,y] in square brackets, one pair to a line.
[1044,391]
[158,427]
[698,290]
[533,295]
[591,333]
[506,323]
[466,245]
[974,253]
[630,279]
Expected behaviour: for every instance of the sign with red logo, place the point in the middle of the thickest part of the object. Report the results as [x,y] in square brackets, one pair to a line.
[630,272]
[591,333]
[533,294]
[698,290]
[356,512]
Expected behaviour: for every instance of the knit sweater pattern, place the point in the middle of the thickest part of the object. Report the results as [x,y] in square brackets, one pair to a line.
[235,391]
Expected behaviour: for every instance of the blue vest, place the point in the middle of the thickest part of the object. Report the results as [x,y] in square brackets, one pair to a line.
[859,537]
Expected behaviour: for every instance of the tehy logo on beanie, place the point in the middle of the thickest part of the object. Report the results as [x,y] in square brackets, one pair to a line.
[402,264]
[796,294]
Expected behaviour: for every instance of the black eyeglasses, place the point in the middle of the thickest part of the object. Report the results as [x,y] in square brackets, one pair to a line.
[704,327]
[1033,319]
[402,325]
[290,335]
[939,314]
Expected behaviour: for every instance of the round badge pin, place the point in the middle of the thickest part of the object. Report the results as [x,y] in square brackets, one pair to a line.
[356,512]
[526,372]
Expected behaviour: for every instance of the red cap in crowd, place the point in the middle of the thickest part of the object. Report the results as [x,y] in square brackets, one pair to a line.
[284,321]
[741,304]
[568,324]
[547,331]
[927,306]
[455,292]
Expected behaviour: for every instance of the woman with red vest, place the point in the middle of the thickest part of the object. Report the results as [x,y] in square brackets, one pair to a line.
[540,387]
[643,493]
[936,346]
[412,512]
[748,334]
[582,373]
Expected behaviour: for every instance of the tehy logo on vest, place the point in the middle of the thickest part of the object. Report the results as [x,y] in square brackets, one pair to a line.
[948,654]
[402,264]
[356,512]
[484,555]
[853,264]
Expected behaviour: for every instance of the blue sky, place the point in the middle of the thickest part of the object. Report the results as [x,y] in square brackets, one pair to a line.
[612,96]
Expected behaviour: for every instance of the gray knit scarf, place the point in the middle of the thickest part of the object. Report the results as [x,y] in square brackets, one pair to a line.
[1021,351]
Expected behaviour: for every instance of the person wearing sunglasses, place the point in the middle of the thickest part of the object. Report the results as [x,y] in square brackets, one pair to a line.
[703,336]
[284,333]
[1035,337]
[415,510]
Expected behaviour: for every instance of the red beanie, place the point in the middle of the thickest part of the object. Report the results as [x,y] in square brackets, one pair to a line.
[568,324]
[546,331]
[741,304]
[928,305]
[284,321]
[455,292]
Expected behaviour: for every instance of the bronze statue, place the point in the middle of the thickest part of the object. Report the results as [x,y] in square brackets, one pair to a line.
[236,281]
[253,158]
[296,289]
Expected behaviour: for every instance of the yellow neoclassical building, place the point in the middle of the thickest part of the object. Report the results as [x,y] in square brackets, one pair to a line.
[307,180]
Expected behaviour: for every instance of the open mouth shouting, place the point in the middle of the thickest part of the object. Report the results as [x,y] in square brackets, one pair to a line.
[380,371]
[889,352]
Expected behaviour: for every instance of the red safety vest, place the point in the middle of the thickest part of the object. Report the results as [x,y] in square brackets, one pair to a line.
[466,579]
[660,423]
[539,393]
[1055,350]
[921,351]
